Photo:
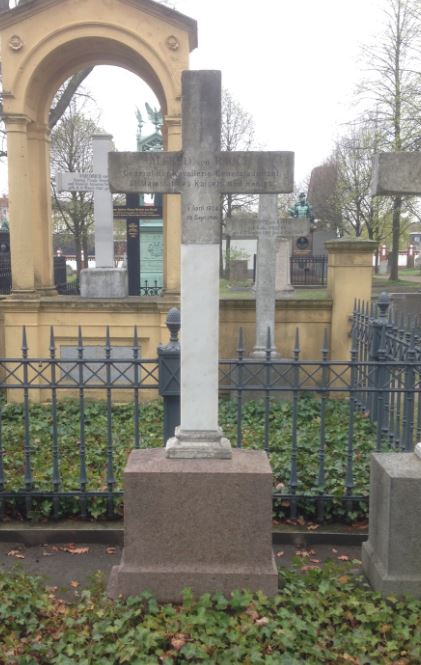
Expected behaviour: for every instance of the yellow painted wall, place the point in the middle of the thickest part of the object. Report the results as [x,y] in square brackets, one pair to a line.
[66,314]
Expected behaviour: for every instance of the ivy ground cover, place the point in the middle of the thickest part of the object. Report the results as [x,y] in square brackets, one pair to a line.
[98,454]
[320,616]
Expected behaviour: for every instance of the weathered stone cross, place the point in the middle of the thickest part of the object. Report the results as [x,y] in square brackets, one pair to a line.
[396,173]
[270,231]
[201,173]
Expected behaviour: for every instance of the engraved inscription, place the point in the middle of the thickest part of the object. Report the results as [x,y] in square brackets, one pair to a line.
[82,182]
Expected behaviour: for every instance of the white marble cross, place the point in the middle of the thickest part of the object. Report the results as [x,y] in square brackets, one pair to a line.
[96,182]
[201,173]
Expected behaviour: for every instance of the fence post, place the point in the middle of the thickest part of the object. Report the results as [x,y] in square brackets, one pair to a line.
[377,353]
[349,277]
[169,375]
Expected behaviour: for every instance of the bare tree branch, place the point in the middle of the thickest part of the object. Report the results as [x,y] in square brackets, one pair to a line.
[66,96]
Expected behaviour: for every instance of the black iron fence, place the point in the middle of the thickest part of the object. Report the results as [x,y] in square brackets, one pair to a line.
[319,420]
[308,270]
[388,375]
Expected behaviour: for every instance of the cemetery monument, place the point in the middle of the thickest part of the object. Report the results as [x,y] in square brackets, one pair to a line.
[392,555]
[105,280]
[212,503]
[270,231]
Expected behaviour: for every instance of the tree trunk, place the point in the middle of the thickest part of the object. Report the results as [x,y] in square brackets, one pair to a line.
[396,223]
[227,257]
[85,249]
[221,240]
[78,252]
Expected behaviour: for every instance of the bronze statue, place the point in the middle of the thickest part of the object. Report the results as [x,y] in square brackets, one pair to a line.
[302,208]
[155,116]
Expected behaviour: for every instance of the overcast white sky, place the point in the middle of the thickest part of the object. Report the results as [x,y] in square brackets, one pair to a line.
[293,64]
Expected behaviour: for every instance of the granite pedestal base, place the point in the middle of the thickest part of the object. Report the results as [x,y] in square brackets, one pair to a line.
[104,283]
[392,555]
[199,523]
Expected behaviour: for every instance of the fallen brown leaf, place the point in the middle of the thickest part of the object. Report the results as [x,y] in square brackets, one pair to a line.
[312,527]
[315,561]
[16,553]
[343,557]
[350,659]
[71,548]
[304,568]
[334,551]
[74,584]
[178,641]
[111,550]
[263,621]
[343,579]
[251,612]
[279,554]
[302,553]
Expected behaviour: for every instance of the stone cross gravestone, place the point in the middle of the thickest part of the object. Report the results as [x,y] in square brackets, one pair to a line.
[103,281]
[270,232]
[201,173]
[391,555]
[214,514]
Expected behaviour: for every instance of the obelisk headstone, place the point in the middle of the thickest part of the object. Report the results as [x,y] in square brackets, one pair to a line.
[199,514]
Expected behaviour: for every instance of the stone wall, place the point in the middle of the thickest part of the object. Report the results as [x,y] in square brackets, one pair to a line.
[349,278]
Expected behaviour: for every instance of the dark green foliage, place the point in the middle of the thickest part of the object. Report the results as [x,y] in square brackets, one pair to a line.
[95,421]
[324,616]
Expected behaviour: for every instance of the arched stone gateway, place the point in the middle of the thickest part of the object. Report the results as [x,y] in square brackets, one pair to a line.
[43,42]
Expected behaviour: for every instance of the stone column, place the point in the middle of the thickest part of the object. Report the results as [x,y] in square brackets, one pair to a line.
[266,275]
[283,272]
[349,277]
[172,215]
[39,151]
[103,204]
[20,207]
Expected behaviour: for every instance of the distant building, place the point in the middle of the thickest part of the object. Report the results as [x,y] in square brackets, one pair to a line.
[415,239]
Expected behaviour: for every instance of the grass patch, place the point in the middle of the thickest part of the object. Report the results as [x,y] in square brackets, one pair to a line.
[253,436]
[245,292]
[386,283]
[321,616]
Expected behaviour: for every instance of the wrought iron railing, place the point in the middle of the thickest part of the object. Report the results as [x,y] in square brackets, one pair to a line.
[150,289]
[266,402]
[308,270]
[389,374]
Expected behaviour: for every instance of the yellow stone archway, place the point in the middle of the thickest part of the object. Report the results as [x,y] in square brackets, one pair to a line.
[43,42]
